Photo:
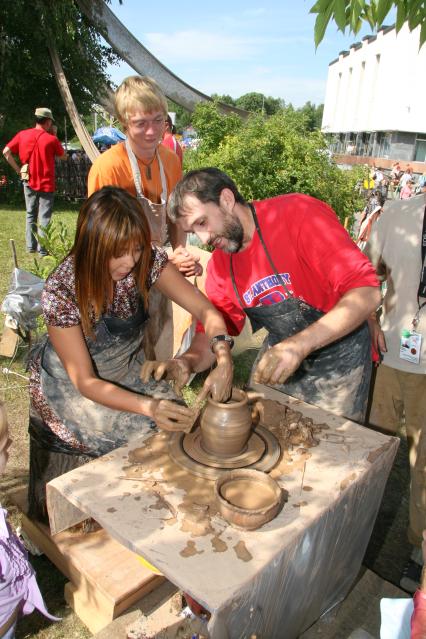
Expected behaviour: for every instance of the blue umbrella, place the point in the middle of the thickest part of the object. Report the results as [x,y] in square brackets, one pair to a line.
[108,135]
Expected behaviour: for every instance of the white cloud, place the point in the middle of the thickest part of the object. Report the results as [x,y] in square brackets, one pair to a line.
[199,45]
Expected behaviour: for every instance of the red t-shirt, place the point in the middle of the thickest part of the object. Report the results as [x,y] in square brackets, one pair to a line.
[309,247]
[170,142]
[42,160]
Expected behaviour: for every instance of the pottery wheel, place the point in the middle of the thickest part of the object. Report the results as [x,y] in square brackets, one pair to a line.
[266,462]
[254,450]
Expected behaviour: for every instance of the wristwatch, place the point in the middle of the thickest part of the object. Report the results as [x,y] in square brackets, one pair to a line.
[221,338]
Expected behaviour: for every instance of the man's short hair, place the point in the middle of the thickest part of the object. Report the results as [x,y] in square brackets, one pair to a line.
[206,184]
[138,93]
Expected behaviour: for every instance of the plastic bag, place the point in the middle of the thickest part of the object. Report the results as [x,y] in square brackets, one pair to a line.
[23,302]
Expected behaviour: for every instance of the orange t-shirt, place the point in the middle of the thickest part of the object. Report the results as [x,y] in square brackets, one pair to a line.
[112,168]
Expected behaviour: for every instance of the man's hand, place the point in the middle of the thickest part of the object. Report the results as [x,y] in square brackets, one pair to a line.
[177,370]
[171,416]
[279,362]
[188,264]
[378,341]
[219,383]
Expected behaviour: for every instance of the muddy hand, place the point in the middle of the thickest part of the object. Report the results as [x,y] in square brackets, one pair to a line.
[169,415]
[279,362]
[187,263]
[218,384]
[176,370]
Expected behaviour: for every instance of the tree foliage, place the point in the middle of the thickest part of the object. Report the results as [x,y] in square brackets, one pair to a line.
[271,156]
[26,75]
[351,14]
[259,103]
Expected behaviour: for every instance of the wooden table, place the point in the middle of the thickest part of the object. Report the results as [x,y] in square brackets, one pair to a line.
[275,581]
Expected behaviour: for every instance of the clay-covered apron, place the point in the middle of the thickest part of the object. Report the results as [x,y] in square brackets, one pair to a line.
[116,356]
[335,377]
[155,213]
[159,306]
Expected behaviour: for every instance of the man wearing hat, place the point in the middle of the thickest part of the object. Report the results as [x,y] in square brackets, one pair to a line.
[37,148]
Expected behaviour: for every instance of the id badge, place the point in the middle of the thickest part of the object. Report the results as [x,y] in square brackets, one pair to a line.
[410,346]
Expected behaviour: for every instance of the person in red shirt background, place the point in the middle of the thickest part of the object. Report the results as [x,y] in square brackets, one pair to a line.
[38,148]
[169,139]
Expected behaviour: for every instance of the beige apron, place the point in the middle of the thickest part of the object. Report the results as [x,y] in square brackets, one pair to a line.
[158,334]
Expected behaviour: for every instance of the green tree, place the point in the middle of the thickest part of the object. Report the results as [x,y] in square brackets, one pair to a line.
[351,14]
[271,156]
[183,116]
[313,115]
[26,75]
[259,103]
[226,99]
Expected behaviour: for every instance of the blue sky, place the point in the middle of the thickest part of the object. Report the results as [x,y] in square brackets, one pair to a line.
[237,47]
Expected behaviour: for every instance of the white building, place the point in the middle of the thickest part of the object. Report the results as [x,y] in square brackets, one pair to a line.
[375,103]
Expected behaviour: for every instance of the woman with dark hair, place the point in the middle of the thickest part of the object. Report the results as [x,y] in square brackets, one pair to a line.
[87,397]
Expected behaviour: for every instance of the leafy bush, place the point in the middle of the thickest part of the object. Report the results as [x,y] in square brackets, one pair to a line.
[272,156]
[57,241]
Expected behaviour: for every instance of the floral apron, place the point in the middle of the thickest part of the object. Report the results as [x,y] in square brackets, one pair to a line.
[117,357]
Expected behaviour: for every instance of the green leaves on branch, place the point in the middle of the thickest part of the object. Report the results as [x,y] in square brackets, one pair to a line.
[350,14]
[271,156]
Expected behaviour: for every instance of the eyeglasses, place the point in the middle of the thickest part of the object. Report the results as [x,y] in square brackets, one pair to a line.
[144,124]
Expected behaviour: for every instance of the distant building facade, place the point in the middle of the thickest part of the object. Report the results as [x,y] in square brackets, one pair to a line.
[375,99]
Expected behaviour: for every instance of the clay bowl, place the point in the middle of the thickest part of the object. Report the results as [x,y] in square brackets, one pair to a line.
[226,427]
[248,499]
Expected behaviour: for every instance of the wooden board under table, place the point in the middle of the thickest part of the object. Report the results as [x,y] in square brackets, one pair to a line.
[309,554]
[105,577]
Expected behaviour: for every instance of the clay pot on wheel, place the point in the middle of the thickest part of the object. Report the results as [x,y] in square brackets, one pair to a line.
[226,427]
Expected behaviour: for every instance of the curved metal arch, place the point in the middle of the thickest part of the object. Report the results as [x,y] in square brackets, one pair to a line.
[142,61]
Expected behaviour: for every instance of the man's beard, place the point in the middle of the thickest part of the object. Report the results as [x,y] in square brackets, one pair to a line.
[232,232]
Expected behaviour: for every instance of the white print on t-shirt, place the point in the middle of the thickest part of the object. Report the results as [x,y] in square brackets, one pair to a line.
[266,284]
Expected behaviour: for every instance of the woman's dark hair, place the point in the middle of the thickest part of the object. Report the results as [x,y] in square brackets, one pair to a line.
[110,223]
[206,184]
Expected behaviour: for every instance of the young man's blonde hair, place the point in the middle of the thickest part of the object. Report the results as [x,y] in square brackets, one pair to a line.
[138,93]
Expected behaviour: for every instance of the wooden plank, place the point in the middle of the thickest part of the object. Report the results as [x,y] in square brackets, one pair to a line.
[62,515]
[106,578]
[8,342]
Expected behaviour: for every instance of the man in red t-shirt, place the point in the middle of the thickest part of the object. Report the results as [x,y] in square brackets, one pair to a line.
[289,266]
[38,148]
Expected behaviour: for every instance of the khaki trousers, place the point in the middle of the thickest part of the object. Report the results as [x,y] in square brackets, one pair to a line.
[399,398]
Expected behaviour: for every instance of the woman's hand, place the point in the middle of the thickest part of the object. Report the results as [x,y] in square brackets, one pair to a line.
[279,362]
[171,416]
[176,370]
